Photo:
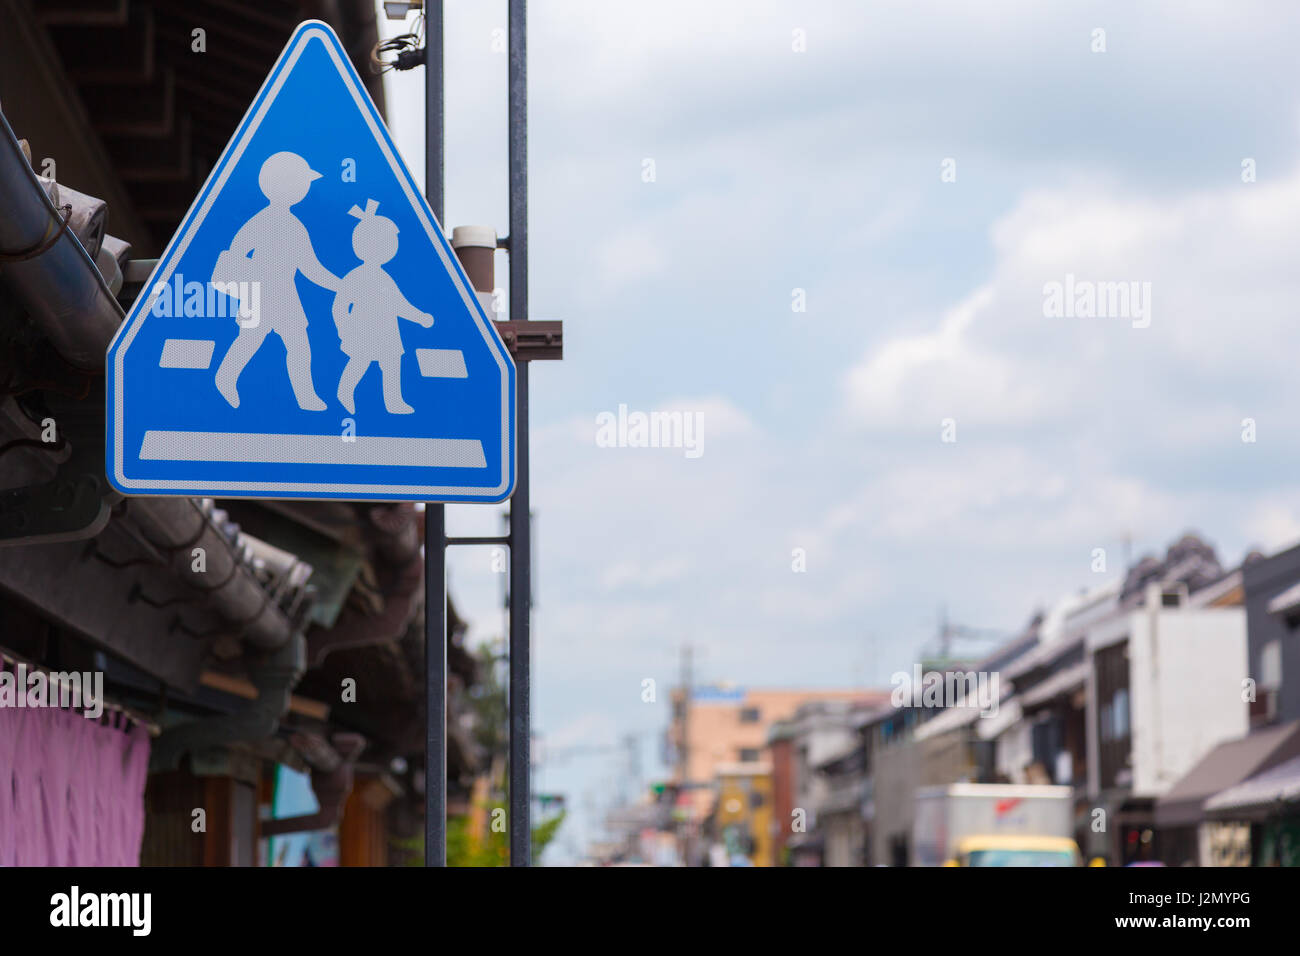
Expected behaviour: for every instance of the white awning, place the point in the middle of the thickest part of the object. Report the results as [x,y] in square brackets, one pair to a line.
[1272,788]
[1288,600]
[1059,683]
[1007,715]
[950,719]
[955,718]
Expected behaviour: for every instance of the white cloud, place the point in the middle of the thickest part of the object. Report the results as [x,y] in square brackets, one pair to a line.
[1221,290]
[628,256]
[942,374]
[644,574]
[1274,526]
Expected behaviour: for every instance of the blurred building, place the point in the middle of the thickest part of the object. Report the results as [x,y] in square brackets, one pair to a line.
[1257,821]
[1240,804]
[1166,671]
[1206,817]
[893,773]
[821,751]
[1137,694]
[1272,594]
[717,726]
[908,745]
[639,833]
[1040,732]
[742,816]
[1116,692]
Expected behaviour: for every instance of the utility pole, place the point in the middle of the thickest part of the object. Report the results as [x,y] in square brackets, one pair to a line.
[684,747]
[948,631]
[435,515]
[521,586]
[683,743]
[945,633]
[632,743]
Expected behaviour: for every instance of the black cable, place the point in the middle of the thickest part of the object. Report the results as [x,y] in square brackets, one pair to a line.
[407,47]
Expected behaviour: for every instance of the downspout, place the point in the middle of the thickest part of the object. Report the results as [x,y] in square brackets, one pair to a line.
[51,273]
[47,262]
[61,288]
[180,527]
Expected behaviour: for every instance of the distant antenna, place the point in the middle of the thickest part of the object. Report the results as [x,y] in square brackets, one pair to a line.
[948,631]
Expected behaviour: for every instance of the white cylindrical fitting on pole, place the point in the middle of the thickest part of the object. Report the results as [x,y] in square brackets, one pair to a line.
[480,236]
[476,247]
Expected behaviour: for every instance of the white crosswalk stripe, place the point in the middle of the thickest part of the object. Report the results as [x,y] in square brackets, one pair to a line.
[441,363]
[187,353]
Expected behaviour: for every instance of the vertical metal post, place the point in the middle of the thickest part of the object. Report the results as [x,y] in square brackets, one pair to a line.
[435,522]
[684,751]
[520,819]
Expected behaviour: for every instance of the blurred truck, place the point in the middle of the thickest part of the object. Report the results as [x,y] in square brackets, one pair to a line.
[993,824]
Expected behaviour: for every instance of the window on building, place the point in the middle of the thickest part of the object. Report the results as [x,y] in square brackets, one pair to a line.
[748,754]
[1270,664]
[894,729]
[1263,709]
[1119,710]
[1113,712]
[1064,768]
[749,715]
[1047,738]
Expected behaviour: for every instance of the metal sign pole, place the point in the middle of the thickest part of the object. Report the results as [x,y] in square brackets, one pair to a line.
[435,521]
[528,341]
[520,819]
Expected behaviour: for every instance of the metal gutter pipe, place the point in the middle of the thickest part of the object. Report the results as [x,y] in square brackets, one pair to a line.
[45,264]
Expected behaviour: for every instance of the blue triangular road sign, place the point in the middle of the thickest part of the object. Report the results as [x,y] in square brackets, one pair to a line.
[309,333]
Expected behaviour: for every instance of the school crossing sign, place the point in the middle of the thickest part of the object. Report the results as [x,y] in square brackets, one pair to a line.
[308,332]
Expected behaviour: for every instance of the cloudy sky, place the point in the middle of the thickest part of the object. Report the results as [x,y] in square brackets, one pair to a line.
[822,169]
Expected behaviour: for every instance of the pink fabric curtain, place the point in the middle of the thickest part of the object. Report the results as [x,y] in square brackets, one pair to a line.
[71,789]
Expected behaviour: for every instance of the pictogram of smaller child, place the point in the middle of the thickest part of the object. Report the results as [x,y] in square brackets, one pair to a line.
[366,310]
